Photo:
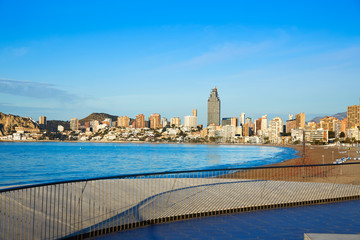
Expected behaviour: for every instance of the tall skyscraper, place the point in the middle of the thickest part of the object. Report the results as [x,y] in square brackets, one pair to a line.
[242,119]
[213,108]
[194,112]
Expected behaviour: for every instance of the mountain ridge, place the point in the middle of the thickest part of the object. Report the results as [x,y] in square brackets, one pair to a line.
[340,116]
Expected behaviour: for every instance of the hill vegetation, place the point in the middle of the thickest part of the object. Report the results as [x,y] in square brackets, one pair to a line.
[97,116]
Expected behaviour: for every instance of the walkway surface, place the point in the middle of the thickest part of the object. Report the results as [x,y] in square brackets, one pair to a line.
[282,223]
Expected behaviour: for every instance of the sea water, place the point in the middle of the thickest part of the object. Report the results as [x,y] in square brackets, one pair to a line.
[44,162]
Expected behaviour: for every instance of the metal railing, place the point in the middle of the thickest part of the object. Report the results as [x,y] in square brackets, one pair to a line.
[91,207]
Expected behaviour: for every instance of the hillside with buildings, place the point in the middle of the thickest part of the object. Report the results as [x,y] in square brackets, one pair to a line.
[340,116]
[11,124]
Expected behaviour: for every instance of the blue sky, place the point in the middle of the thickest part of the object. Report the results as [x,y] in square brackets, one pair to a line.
[67,59]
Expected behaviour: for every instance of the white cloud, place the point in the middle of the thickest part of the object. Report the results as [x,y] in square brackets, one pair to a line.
[34,90]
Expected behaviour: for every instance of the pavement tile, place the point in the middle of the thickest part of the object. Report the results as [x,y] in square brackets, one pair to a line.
[283,223]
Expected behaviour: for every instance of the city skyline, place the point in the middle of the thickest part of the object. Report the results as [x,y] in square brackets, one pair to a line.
[150,58]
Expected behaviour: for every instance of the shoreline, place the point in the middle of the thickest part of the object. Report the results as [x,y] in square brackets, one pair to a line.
[313,153]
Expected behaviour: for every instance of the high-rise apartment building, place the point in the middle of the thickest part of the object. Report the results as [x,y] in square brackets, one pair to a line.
[194,112]
[329,123]
[140,121]
[242,119]
[155,121]
[275,128]
[225,121]
[123,121]
[235,121]
[164,122]
[190,121]
[176,121]
[42,121]
[290,124]
[300,120]
[74,124]
[213,111]
[353,116]
[264,123]
[258,127]
[246,130]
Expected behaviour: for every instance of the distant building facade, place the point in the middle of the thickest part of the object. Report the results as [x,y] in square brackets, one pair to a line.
[235,121]
[74,124]
[290,125]
[155,121]
[123,121]
[42,121]
[300,120]
[140,121]
[226,121]
[190,121]
[213,111]
[176,121]
[353,116]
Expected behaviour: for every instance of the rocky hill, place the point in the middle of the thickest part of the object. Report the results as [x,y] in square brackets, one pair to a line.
[97,116]
[339,116]
[9,123]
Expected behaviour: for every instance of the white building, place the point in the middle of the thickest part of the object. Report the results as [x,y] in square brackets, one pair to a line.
[353,133]
[242,118]
[109,120]
[239,131]
[60,128]
[164,122]
[228,133]
[264,124]
[275,129]
[190,122]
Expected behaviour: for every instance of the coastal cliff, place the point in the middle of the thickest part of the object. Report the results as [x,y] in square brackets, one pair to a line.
[11,123]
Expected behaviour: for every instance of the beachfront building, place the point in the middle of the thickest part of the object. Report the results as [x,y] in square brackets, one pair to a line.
[229,133]
[213,110]
[300,120]
[275,129]
[290,125]
[329,123]
[353,134]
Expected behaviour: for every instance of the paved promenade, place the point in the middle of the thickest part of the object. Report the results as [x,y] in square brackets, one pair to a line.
[282,223]
[58,211]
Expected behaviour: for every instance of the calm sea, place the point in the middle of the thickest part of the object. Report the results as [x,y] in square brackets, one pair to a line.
[31,163]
